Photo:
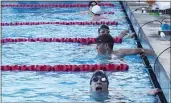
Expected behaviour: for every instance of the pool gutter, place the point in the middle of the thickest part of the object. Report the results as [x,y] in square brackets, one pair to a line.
[135,28]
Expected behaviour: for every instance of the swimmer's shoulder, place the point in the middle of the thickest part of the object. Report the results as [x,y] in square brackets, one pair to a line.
[116,53]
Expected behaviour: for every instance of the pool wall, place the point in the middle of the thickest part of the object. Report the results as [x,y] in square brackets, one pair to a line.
[159,71]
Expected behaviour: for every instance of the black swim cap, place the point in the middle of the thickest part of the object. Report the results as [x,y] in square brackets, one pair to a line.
[99,73]
[104,26]
[90,3]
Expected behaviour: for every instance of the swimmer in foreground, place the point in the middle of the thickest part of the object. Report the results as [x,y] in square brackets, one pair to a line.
[99,84]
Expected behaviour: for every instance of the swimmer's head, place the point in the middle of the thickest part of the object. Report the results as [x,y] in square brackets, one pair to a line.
[92,3]
[104,29]
[99,81]
[104,26]
[104,44]
[96,10]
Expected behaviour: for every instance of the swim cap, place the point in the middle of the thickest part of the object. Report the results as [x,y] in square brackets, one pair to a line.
[96,9]
[92,3]
[104,26]
[99,73]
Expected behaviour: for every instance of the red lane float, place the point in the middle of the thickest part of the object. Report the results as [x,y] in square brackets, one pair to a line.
[84,67]
[52,5]
[76,40]
[61,23]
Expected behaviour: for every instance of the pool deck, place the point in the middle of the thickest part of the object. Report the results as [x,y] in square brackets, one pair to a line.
[151,32]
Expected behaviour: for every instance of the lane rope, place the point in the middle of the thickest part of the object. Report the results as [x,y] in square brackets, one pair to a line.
[83,67]
[76,40]
[61,23]
[53,5]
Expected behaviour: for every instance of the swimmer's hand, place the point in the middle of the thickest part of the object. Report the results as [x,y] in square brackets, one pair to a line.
[154,91]
[131,35]
[125,34]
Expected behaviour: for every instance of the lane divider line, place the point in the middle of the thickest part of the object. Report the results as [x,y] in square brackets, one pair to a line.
[83,67]
[53,5]
[76,40]
[61,23]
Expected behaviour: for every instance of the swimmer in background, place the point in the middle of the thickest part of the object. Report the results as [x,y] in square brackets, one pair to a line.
[90,5]
[104,30]
[105,46]
[96,11]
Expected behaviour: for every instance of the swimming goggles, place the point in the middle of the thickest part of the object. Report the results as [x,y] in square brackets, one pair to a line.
[93,4]
[103,31]
[95,79]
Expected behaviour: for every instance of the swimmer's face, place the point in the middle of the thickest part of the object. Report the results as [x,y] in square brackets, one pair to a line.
[99,84]
[102,48]
[103,31]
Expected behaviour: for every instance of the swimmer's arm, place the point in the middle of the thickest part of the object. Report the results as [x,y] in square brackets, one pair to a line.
[123,33]
[154,91]
[125,52]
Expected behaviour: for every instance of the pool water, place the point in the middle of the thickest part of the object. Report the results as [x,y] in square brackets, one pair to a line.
[31,86]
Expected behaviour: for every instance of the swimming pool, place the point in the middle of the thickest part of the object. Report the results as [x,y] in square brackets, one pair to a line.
[29,86]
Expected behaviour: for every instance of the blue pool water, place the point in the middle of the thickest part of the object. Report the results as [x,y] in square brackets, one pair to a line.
[30,86]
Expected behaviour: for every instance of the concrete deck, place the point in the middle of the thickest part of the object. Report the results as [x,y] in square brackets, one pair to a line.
[151,32]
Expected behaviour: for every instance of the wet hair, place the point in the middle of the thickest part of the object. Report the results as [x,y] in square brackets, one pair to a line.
[107,38]
[103,27]
[89,4]
[99,73]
